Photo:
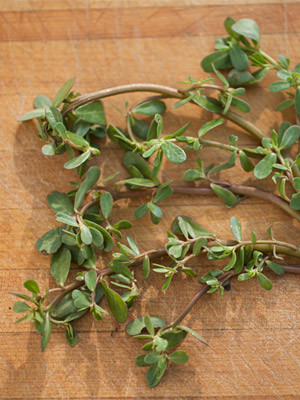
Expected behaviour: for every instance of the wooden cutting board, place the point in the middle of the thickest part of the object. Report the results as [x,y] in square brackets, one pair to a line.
[253,334]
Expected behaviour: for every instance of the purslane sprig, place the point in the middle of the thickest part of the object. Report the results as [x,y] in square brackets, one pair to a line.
[74,123]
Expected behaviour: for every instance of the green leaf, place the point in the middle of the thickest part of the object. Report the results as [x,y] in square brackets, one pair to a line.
[220,76]
[277,268]
[50,241]
[163,194]
[285,104]
[210,125]
[152,358]
[119,268]
[247,27]
[239,78]
[71,335]
[76,161]
[21,307]
[146,267]
[106,203]
[236,228]
[174,153]
[92,112]
[140,362]
[115,303]
[174,337]
[141,211]
[197,229]
[155,210]
[156,372]
[49,149]
[253,237]
[220,59]
[149,325]
[295,201]
[42,101]
[290,137]
[139,128]
[77,140]
[46,333]
[136,326]
[32,286]
[179,357]
[224,194]
[244,277]
[229,164]
[238,58]
[264,281]
[81,301]
[66,219]
[90,279]
[246,163]
[265,166]
[279,86]
[138,182]
[151,107]
[60,265]
[39,112]
[60,203]
[195,334]
[232,262]
[208,103]
[86,235]
[297,100]
[240,104]
[133,245]
[63,92]
[90,180]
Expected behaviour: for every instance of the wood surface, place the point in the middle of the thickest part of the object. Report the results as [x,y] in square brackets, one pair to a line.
[253,335]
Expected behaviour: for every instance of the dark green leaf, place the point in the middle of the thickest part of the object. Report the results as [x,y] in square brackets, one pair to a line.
[163,194]
[178,357]
[277,268]
[239,78]
[264,281]
[46,333]
[240,104]
[149,325]
[290,137]
[208,103]
[63,92]
[60,203]
[115,303]
[119,268]
[106,203]
[174,153]
[246,163]
[32,286]
[295,201]
[71,335]
[224,194]
[136,326]
[90,180]
[146,267]
[50,241]
[238,58]
[156,372]
[239,264]
[197,229]
[139,128]
[60,265]
[138,182]
[80,300]
[150,107]
[220,59]
[265,166]
[86,235]
[92,112]
[140,362]
[210,125]
[247,27]
[195,334]
[285,104]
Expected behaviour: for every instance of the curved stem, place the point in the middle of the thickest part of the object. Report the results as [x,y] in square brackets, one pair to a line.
[137,87]
[246,125]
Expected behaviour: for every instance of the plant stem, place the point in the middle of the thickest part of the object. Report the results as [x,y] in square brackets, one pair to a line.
[246,125]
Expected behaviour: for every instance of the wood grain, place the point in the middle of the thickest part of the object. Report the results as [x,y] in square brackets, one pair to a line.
[253,335]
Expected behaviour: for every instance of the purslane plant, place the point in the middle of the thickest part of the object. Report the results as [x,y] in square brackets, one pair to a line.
[72,123]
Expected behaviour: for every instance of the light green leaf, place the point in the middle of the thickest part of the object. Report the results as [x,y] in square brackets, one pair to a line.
[92,112]
[46,333]
[149,325]
[63,92]
[141,211]
[146,267]
[85,234]
[290,137]
[66,219]
[285,104]
[265,166]
[41,101]
[49,149]
[90,279]
[264,281]
[136,326]
[295,201]
[21,307]
[210,125]
[208,103]
[115,303]
[277,268]
[220,59]
[32,286]
[279,86]
[60,265]
[236,228]
[174,153]
[246,163]
[138,182]
[75,162]
[39,112]
[77,140]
